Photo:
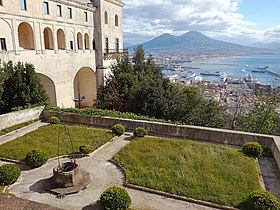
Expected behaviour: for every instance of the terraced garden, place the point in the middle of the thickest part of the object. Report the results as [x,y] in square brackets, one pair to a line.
[213,173]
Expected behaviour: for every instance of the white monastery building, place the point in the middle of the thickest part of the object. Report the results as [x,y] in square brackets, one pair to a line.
[71,43]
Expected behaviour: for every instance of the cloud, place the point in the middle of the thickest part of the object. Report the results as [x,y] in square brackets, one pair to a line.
[216,18]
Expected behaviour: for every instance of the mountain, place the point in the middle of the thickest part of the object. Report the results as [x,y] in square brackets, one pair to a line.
[196,43]
[271,45]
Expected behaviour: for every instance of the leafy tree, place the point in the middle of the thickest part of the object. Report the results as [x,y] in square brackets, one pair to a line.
[22,87]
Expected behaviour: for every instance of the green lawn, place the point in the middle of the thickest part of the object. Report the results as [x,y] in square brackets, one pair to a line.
[46,138]
[202,171]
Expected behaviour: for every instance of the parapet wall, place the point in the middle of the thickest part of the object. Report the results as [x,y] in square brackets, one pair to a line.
[212,135]
[14,118]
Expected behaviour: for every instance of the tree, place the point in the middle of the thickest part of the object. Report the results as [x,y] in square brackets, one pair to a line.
[22,88]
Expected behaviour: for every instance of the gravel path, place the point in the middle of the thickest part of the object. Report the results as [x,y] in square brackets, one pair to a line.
[103,175]
[21,132]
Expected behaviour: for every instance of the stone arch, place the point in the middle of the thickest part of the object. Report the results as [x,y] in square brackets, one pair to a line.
[116,20]
[106,17]
[60,39]
[79,41]
[26,36]
[48,38]
[86,39]
[6,33]
[85,87]
[71,40]
[49,87]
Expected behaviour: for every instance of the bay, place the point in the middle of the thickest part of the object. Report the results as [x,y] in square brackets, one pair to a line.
[238,66]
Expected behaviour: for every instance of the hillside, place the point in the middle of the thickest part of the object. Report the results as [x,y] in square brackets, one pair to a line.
[197,43]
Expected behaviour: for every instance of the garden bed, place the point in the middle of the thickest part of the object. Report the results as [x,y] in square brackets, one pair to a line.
[213,173]
[46,138]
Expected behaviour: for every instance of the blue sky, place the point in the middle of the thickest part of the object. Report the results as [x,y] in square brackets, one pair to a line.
[239,21]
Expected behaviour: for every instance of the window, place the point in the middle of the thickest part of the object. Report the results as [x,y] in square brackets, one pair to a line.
[85,17]
[117,45]
[71,45]
[1,3]
[3,45]
[46,8]
[106,17]
[23,5]
[93,44]
[59,11]
[107,45]
[69,13]
[116,20]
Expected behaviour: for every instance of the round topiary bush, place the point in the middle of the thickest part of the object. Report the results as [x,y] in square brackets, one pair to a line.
[86,149]
[115,198]
[262,200]
[9,173]
[36,158]
[54,120]
[140,132]
[118,129]
[253,149]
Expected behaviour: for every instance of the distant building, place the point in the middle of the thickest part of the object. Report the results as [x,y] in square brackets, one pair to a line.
[71,43]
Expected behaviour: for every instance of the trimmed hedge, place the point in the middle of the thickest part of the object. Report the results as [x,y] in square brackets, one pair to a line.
[140,132]
[262,200]
[115,198]
[106,113]
[118,129]
[252,149]
[86,149]
[36,158]
[54,120]
[9,173]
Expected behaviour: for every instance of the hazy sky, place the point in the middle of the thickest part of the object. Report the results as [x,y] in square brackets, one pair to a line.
[240,21]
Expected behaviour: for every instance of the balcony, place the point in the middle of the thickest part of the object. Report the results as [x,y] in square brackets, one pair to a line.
[112,54]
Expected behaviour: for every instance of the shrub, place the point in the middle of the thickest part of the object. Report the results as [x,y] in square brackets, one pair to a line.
[253,149]
[118,129]
[262,200]
[115,198]
[36,158]
[140,132]
[54,120]
[9,173]
[86,149]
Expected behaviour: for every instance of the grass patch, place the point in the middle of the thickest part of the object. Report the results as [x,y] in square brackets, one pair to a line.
[15,127]
[202,171]
[46,138]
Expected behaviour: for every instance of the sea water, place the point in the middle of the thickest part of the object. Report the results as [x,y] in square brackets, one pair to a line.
[238,66]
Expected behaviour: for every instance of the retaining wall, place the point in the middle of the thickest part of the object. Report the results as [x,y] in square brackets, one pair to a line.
[213,135]
[14,118]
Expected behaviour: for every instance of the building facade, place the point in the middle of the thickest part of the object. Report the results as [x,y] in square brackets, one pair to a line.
[61,39]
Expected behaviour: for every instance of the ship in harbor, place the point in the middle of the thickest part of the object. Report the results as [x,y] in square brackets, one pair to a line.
[260,69]
[207,73]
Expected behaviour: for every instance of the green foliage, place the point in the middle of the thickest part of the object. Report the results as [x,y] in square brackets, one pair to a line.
[253,149]
[45,138]
[140,88]
[20,87]
[202,171]
[86,149]
[261,119]
[262,200]
[103,113]
[9,173]
[118,129]
[36,158]
[54,120]
[140,132]
[115,198]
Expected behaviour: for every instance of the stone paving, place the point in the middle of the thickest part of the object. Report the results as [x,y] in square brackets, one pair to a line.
[103,175]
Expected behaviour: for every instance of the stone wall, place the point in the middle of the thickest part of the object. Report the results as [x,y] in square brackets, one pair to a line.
[14,118]
[212,135]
